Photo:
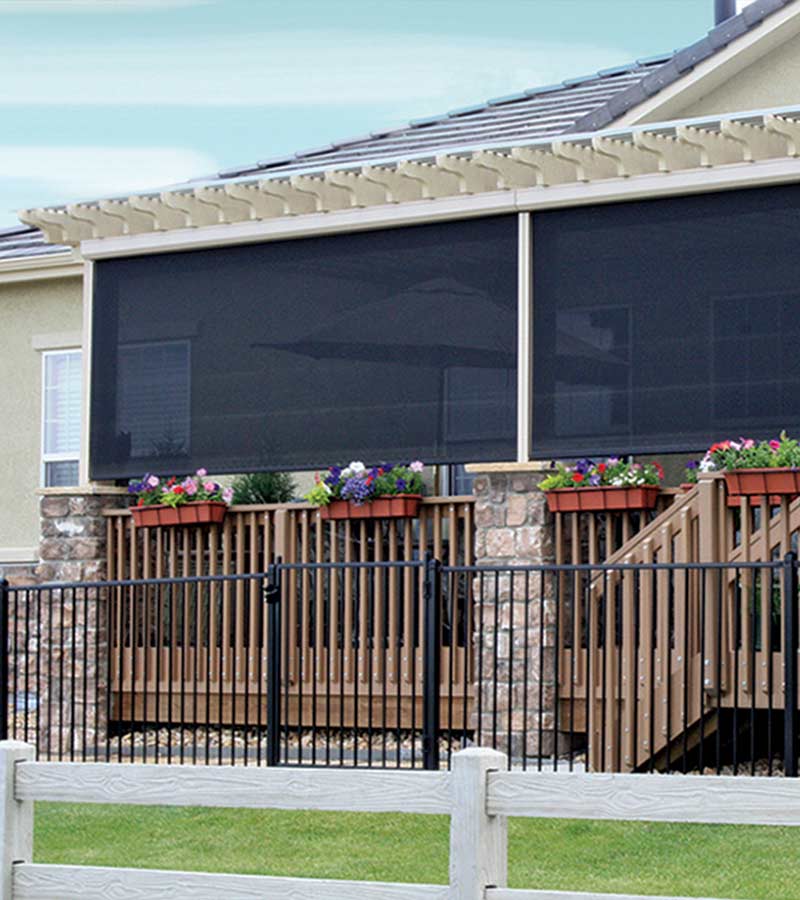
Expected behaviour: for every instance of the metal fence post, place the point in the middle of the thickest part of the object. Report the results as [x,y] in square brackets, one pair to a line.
[4,660]
[272,596]
[432,669]
[790,639]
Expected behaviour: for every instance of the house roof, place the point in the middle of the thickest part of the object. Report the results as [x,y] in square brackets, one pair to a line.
[23,242]
[577,105]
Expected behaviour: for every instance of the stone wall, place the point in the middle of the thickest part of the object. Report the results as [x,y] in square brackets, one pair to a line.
[58,667]
[514,612]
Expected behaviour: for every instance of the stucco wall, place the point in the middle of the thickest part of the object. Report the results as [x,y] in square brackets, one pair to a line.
[772,81]
[27,309]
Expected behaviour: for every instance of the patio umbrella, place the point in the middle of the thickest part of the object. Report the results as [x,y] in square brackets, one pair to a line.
[417,327]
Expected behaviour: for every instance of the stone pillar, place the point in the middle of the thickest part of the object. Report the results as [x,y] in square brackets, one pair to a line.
[61,638]
[514,612]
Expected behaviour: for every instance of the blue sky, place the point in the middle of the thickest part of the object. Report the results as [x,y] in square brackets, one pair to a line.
[103,97]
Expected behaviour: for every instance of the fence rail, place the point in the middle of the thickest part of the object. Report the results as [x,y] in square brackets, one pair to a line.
[477,795]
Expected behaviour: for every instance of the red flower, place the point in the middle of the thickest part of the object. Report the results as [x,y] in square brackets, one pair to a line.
[178,490]
[171,481]
[370,479]
[577,477]
[659,468]
[601,467]
[141,501]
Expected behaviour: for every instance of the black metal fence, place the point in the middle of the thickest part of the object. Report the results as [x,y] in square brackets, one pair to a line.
[663,666]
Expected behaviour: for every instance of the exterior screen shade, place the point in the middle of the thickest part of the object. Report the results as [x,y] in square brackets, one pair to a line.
[668,324]
[383,346]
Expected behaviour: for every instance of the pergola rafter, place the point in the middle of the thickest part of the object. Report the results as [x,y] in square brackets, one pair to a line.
[614,154]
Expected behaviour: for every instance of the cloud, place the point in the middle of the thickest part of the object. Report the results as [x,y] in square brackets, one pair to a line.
[62,174]
[32,7]
[291,68]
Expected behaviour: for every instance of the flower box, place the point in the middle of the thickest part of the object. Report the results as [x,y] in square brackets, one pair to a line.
[758,482]
[594,499]
[735,500]
[202,512]
[399,506]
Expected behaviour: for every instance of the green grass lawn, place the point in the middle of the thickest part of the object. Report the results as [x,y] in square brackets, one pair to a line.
[691,860]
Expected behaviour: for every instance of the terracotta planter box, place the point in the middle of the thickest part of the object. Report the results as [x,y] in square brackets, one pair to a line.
[734,500]
[687,486]
[602,498]
[757,482]
[206,512]
[401,506]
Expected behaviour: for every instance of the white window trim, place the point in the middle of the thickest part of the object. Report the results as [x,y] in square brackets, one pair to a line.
[46,458]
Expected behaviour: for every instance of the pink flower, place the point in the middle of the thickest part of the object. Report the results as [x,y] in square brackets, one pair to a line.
[774,445]
[201,473]
[210,487]
[227,495]
[191,487]
[417,466]
[747,443]
[152,481]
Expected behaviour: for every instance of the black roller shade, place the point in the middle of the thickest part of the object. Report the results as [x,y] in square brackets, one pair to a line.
[663,325]
[388,346]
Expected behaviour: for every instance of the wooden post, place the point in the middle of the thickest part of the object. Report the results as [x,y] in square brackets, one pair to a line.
[16,824]
[478,841]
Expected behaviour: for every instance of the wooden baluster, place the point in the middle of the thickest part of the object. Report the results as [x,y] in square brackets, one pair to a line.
[348,603]
[628,700]
[305,597]
[646,725]
[319,618]
[334,638]
[409,648]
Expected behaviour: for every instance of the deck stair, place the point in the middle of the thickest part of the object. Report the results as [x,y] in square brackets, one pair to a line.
[661,655]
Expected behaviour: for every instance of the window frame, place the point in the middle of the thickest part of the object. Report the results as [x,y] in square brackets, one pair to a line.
[46,458]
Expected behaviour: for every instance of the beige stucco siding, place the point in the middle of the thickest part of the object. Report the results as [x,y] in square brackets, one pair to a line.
[27,309]
[770,82]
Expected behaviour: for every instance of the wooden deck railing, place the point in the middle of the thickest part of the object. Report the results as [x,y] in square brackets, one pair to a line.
[665,652]
[147,669]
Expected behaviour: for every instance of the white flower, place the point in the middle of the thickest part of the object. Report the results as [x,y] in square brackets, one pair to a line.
[356,468]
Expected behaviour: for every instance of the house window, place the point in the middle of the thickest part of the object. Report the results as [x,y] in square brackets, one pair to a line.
[153,403]
[459,481]
[61,418]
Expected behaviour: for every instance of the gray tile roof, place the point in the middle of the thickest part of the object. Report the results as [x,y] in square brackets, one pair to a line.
[578,105]
[21,242]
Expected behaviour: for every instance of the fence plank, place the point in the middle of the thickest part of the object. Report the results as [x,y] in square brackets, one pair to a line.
[716,799]
[43,882]
[506,894]
[245,788]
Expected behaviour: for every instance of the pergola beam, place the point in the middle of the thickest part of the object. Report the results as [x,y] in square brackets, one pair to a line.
[636,152]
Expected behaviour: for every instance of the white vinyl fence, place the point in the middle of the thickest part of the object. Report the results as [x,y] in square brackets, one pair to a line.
[478,795]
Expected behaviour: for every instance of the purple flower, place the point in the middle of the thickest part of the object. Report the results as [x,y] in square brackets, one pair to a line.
[594,480]
[692,464]
[401,485]
[333,476]
[582,466]
[357,490]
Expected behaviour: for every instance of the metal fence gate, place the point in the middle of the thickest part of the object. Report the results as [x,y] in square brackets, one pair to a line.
[657,666]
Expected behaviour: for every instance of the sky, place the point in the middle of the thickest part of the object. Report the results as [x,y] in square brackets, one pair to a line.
[101,98]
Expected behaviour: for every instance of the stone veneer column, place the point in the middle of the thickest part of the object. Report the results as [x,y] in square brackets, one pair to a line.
[513,527]
[72,548]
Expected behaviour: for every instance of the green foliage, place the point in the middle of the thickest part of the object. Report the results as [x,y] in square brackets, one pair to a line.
[749,454]
[264,487]
[613,472]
